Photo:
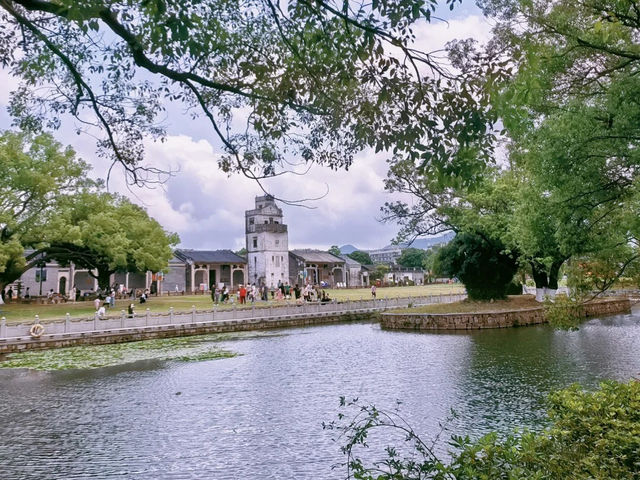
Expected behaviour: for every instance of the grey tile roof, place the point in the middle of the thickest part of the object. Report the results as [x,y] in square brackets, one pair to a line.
[209,256]
[317,256]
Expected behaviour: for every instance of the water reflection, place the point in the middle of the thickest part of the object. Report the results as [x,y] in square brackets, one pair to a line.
[258,415]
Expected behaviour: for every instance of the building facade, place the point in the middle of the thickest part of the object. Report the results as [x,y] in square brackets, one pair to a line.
[316,267]
[267,243]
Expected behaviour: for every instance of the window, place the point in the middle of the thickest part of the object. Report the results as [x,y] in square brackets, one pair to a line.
[44,275]
[277,242]
[276,221]
[278,261]
[251,221]
[255,242]
[270,220]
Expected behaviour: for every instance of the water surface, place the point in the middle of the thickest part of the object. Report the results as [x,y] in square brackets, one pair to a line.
[259,415]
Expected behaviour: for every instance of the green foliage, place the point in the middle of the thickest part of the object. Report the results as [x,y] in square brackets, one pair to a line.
[361,257]
[109,233]
[412,258]
[482,265]
[335,250]
[379,272]
[564,313]
[51,208]
[36,174]
[317,80]
[198,348]
[592,436]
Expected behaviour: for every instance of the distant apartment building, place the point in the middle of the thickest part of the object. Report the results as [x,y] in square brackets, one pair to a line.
[385,255]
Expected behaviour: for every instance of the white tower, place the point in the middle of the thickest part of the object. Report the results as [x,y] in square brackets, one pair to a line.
[267,243]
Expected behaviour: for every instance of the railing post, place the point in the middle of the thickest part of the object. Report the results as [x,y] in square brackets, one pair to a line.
[3,327]
[67,323]
[170,315]
[146,321]
[121,318]
[95,321]
[213,313]
[235,314]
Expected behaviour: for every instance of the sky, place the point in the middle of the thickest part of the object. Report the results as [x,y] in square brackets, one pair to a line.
[206,207]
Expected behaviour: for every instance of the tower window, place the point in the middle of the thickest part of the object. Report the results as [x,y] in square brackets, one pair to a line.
[277,242]
[255,242]
[270,220]
[251,221]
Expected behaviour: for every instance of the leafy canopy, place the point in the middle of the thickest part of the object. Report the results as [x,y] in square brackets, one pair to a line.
[313,81]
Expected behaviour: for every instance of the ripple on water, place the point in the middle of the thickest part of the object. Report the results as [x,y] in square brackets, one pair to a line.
[259,415]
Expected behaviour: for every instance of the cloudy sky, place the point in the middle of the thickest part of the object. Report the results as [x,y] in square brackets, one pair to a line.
[206,208]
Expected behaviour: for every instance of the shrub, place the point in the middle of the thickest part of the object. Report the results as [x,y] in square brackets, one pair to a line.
[592,435]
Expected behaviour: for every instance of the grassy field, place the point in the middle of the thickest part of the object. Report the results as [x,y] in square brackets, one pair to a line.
[515,302]
[16,313]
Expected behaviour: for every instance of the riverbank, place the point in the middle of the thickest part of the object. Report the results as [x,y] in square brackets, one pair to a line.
[19,313]
[466,315]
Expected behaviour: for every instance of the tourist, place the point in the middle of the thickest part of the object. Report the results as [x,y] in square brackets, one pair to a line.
[242,294]
[216,294]
[279,295]
[96,302]
[130,310]
[296,292]
[102,311]
[113,298]
[108,299]
[27,294]
[287,290]
[373,291]
[213,294]
[10,295]
[78,294]
[143,297]
[225,294]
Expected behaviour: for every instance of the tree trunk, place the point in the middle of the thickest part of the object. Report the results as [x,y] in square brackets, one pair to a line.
[540,277]
[103,277]
[554,271]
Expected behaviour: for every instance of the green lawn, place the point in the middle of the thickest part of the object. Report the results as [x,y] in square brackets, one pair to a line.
[16,313]
[513,302]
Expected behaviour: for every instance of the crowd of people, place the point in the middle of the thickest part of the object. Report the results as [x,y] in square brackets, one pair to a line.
[283,291]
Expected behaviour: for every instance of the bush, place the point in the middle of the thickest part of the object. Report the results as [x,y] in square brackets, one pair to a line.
[593,435]
[481,264]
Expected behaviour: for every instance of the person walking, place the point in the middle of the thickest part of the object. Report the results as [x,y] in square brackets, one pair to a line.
[373,291]
[242,294]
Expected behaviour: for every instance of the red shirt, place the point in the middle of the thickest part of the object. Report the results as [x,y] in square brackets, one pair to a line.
[243,292]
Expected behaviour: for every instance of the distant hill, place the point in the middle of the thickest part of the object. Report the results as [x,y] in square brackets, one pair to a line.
[347,249]
[425,243]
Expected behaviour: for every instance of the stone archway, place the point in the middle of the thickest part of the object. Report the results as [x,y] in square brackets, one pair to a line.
[238,277]
[200,277]
[62,285]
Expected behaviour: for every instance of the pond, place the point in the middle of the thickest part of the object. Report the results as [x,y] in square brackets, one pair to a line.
[259,414]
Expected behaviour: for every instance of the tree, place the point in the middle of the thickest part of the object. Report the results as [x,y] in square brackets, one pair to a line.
[335,250]
[379,272]
[431,263]
[590,435]
[317,81]
[361,257]
[36,174]
[110,234]
[411,258]
[480,263]
[242,252]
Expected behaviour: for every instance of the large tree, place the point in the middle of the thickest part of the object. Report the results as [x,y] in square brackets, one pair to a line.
[411,257]
[314,81]
[110,234]
[361,257]
[36,174]
[50,210]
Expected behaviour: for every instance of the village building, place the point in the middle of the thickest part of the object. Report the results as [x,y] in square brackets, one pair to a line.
[201,270]
[267,243]
[356,274]
[400,275]
[316,267]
